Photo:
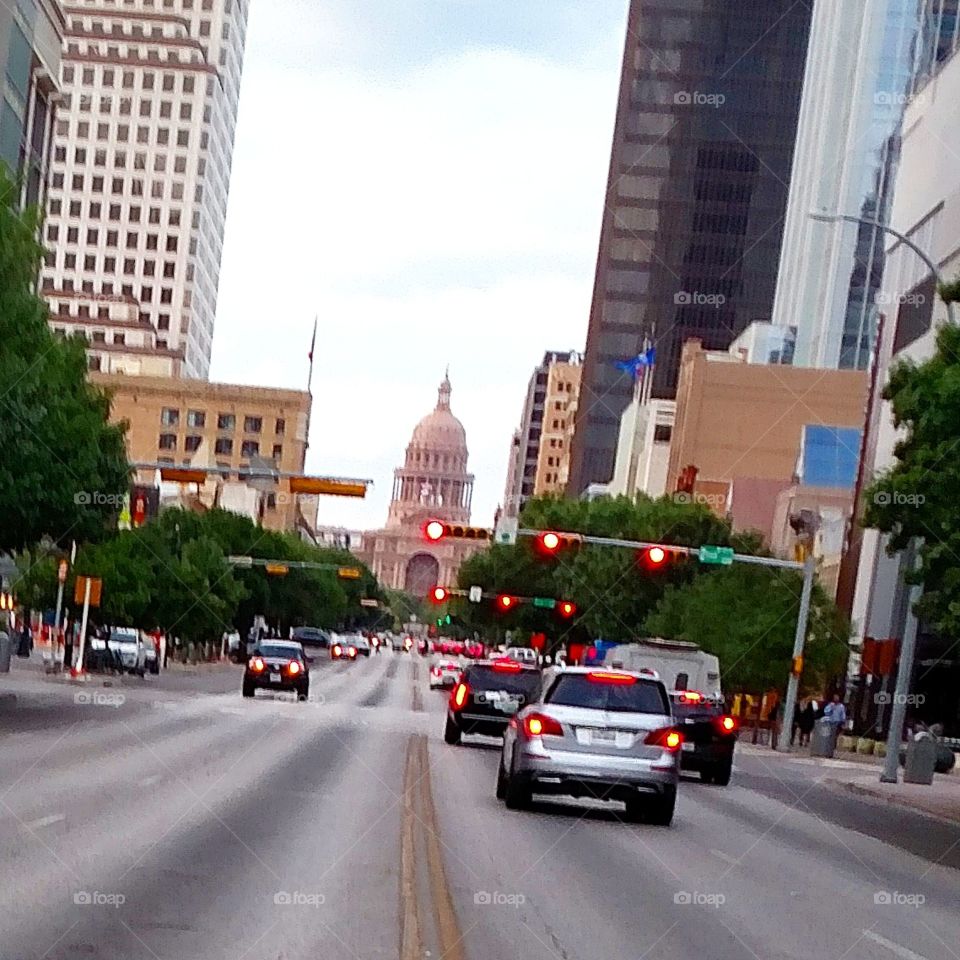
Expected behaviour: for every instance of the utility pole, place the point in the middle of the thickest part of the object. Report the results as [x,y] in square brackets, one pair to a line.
[800,639]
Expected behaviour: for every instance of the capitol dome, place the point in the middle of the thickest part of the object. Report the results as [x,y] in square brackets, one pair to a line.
[440,429]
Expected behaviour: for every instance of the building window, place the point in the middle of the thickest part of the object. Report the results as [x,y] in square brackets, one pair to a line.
[277,451]
[271,501]
[195,418]
[168,441]
[661,433]
[249,448]
[226,421]
[281,427]
[224,447]
[169,417]
[252,424]
[192,442]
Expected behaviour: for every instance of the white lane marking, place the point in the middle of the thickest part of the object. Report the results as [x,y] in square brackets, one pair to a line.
[893,947]
[150,781]
[44,821]
[725,857]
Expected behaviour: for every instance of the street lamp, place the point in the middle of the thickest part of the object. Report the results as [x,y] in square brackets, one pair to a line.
[909,642]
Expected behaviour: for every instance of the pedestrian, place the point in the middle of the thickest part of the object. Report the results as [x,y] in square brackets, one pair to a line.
[835,712]
[808,716]
[26,641]
[795,725]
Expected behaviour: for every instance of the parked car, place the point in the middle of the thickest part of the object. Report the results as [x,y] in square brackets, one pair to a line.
[311,637]
[133,648]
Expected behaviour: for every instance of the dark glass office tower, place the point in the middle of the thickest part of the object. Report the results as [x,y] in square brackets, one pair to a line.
[696,195]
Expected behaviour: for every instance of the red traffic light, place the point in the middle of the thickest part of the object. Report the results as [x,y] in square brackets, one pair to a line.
[438,594]
[656,558]
[656,555]
[434,530]
[566,608]
[506,602]
[550,541]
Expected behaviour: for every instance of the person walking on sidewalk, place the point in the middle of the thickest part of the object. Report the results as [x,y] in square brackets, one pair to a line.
[805,724]
[835,712]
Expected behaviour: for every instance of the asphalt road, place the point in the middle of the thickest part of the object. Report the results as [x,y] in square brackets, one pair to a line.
[169,818]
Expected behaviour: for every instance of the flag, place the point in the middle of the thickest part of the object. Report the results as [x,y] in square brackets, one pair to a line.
[313,341]
[636,365]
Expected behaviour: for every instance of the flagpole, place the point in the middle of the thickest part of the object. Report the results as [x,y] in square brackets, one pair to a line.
[313,343]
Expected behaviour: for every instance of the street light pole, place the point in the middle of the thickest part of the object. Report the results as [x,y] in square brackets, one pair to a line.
[799,640]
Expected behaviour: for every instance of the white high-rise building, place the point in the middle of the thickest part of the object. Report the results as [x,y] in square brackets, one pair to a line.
[141,164]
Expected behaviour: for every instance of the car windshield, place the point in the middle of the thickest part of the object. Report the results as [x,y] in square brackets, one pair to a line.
[489,678]
[279,650]
[580,690]
[122,636]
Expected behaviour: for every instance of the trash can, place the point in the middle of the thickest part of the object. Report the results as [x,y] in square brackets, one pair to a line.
[6,649]
[921,761]
[823,741]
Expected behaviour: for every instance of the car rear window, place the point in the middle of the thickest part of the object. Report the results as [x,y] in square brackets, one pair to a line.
[486,678]
[276,650]
[577,690]
[705,708]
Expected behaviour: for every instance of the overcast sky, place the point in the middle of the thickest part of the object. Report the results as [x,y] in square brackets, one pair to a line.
[427,178]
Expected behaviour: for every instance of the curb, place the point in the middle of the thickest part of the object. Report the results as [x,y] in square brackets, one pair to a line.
[862,791]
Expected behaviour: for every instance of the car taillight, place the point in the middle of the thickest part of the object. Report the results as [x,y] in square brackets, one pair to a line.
[436,671]
[609,676]
[728,724]
[665,737]
[459,696]
[256,664]
[293,667]
[691,696]
[539,725]
[353,651]
[507,666]
[337,649]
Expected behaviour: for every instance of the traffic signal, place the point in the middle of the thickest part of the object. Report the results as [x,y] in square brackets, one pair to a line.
[436,530]
[506,602]
[438,594]
[550,543]
[656,558]
[7,601]
[567,609]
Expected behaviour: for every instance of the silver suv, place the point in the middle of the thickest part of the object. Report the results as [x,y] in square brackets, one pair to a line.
[600,733]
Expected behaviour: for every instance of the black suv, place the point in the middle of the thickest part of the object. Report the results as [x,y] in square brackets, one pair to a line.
[487,695]
[277,665]
[709,736]
[311,637]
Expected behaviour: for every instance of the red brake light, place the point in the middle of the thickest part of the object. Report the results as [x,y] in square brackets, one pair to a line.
[729,724]
[539,725]
[507,666]
[665,737]
[609,676]
[459,696]
[256,664]
[337,649]
[691,696]
[293,667]
[436,671]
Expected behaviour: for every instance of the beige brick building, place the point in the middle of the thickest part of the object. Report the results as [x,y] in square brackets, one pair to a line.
[187,421]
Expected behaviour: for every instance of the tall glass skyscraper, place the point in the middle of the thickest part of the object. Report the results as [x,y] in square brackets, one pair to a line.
[861,58]
[696,195]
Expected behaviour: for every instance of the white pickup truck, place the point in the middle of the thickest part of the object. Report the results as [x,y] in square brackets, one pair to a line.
[137,652]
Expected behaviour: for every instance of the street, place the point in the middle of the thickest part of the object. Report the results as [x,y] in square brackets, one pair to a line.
[169,818]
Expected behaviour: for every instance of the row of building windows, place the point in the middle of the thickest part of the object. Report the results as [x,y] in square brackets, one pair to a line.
[120,133]
[170,417]
[82,155]
[71,236]
[121,187]
[223,446]
[85,104]
[115,212]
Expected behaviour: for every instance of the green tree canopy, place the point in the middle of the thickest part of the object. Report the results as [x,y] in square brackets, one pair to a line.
[63,467]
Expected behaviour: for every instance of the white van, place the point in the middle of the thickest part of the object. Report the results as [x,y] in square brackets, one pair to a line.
[679,664]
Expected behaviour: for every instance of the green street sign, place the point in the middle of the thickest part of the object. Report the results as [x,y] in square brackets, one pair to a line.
[721,555]
[545,603]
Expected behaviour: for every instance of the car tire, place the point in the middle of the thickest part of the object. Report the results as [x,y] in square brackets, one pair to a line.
[660,810]
[451,733]
[707,774]
[248,689]
[517,795]
[303,694]
[721,773]
[155,667]
[636,810]
[501,781]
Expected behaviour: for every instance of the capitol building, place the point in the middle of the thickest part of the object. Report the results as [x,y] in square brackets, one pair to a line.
[433,483]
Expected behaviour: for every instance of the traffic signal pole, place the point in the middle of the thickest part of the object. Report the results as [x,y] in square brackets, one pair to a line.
[790,702]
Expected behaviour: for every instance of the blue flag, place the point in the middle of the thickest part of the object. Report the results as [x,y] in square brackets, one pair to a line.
[636,365]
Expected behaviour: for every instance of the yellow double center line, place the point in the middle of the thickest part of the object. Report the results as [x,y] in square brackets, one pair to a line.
[419,835]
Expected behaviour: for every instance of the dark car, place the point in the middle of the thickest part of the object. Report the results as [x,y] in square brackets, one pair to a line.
[277,665]
[311,637]
[709,735]
[486,696]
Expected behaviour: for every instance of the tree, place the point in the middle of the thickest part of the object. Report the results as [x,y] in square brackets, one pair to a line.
[746,615]
[63,467]
[917,496]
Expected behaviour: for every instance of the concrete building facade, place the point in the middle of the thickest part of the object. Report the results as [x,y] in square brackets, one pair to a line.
[180,421]
[735,418]
[643,448]
[141,162]
[31,38]
[696,194]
